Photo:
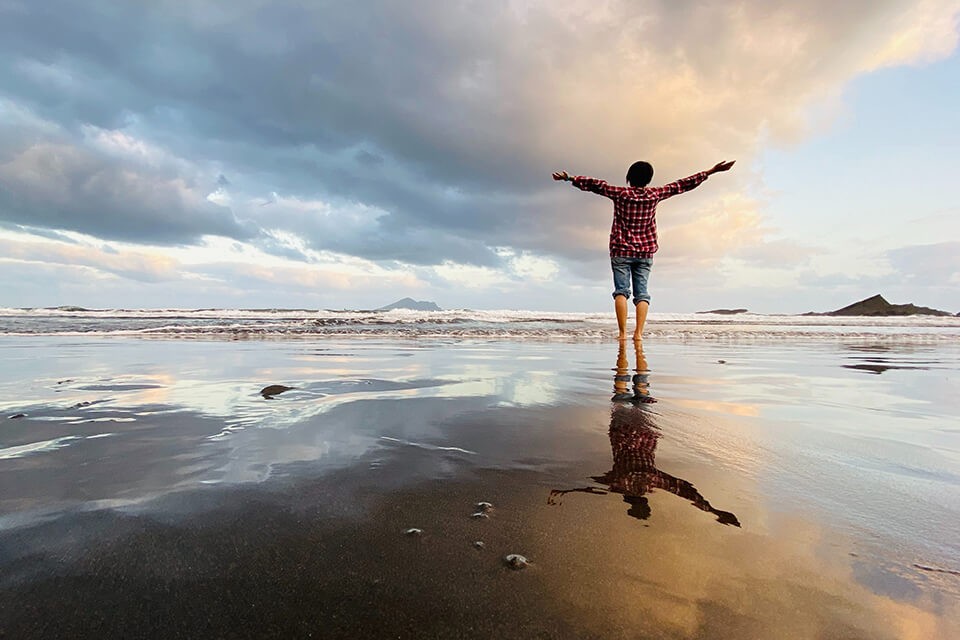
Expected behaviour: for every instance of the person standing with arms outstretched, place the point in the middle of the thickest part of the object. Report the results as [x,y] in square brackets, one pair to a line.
[633,235]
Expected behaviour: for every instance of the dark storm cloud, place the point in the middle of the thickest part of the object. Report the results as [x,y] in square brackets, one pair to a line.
[388,105]
[61,186]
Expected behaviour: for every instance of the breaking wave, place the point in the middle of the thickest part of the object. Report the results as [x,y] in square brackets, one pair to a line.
[459,323]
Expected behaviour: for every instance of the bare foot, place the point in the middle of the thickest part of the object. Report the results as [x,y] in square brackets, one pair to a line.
[638,337]
[622,337]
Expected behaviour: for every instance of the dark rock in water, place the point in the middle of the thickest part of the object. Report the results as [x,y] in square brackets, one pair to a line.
[721,362]
[273,390]
[17,415]
[725,312]
[878,306]
[414,305]
[516,561]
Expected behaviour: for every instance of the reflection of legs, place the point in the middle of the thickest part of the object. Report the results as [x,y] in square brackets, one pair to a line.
[620,303]
[642,308]
[641,358]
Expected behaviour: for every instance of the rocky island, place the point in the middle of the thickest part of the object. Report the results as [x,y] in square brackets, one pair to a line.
[411,304]
[725,312]
[878,306]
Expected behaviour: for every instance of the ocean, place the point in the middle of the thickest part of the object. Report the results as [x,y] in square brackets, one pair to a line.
[462,323]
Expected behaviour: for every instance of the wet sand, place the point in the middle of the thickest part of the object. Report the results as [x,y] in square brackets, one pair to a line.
[150,490]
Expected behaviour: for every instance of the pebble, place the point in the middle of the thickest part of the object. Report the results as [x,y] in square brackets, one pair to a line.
[413,532]
[479,544]
[516,561]
[479,515]
[274,390]
[484,506]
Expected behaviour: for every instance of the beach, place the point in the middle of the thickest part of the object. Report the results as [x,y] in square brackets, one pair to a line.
[720,486]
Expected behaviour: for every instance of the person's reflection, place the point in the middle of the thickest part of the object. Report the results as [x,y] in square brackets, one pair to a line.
[633,441]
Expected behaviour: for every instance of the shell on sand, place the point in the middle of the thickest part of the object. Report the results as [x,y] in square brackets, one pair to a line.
[479,544]
[484,506]
[479,515]
[516,561]
[413,532]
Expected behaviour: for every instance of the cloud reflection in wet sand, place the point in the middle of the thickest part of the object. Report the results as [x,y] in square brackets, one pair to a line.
[311,498]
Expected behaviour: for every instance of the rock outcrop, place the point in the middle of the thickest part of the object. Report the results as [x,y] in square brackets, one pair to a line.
[414,305]
[725,312]
[878,306]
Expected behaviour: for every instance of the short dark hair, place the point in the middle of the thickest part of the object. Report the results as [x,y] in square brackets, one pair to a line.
[640,174]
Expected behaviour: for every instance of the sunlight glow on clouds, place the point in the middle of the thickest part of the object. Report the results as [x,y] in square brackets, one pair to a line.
[405,147]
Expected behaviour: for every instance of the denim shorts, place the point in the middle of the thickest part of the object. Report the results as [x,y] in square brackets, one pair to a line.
[631,270]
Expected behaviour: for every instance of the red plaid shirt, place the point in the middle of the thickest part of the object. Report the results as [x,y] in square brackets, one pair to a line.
[634,230]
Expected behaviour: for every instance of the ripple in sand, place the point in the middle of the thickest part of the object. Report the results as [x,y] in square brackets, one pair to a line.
[10,453]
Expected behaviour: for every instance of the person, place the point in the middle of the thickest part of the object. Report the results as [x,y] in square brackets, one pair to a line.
[633,235]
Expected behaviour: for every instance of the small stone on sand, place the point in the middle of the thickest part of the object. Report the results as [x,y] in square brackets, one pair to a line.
[479,515]
[479,544]
[484,506]
[413,532]
[273,390]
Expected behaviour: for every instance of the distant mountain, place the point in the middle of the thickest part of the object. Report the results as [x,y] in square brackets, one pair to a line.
[878,306]
[725,312]
[413,305]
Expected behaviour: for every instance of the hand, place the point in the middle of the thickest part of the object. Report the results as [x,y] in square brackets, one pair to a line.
[721,166]
[561,175]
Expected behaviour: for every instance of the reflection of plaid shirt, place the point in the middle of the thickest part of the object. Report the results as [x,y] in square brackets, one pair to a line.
[634,230]
[633,440]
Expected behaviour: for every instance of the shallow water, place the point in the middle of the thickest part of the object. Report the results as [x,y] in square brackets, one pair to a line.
[803,489]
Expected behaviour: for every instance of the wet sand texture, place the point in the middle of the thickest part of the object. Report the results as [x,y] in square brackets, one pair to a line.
[153,493]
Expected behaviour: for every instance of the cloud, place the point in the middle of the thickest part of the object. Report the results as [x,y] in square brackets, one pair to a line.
[932,264]
[65,187]
[424,133]
[134,265]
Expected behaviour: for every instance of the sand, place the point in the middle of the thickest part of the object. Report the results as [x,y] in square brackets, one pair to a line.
[150,490]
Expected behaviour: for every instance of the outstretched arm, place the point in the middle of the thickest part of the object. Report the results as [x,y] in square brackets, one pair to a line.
[691,182]
[723,165]
[589,184]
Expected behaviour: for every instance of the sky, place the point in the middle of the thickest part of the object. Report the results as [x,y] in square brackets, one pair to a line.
[319,154]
